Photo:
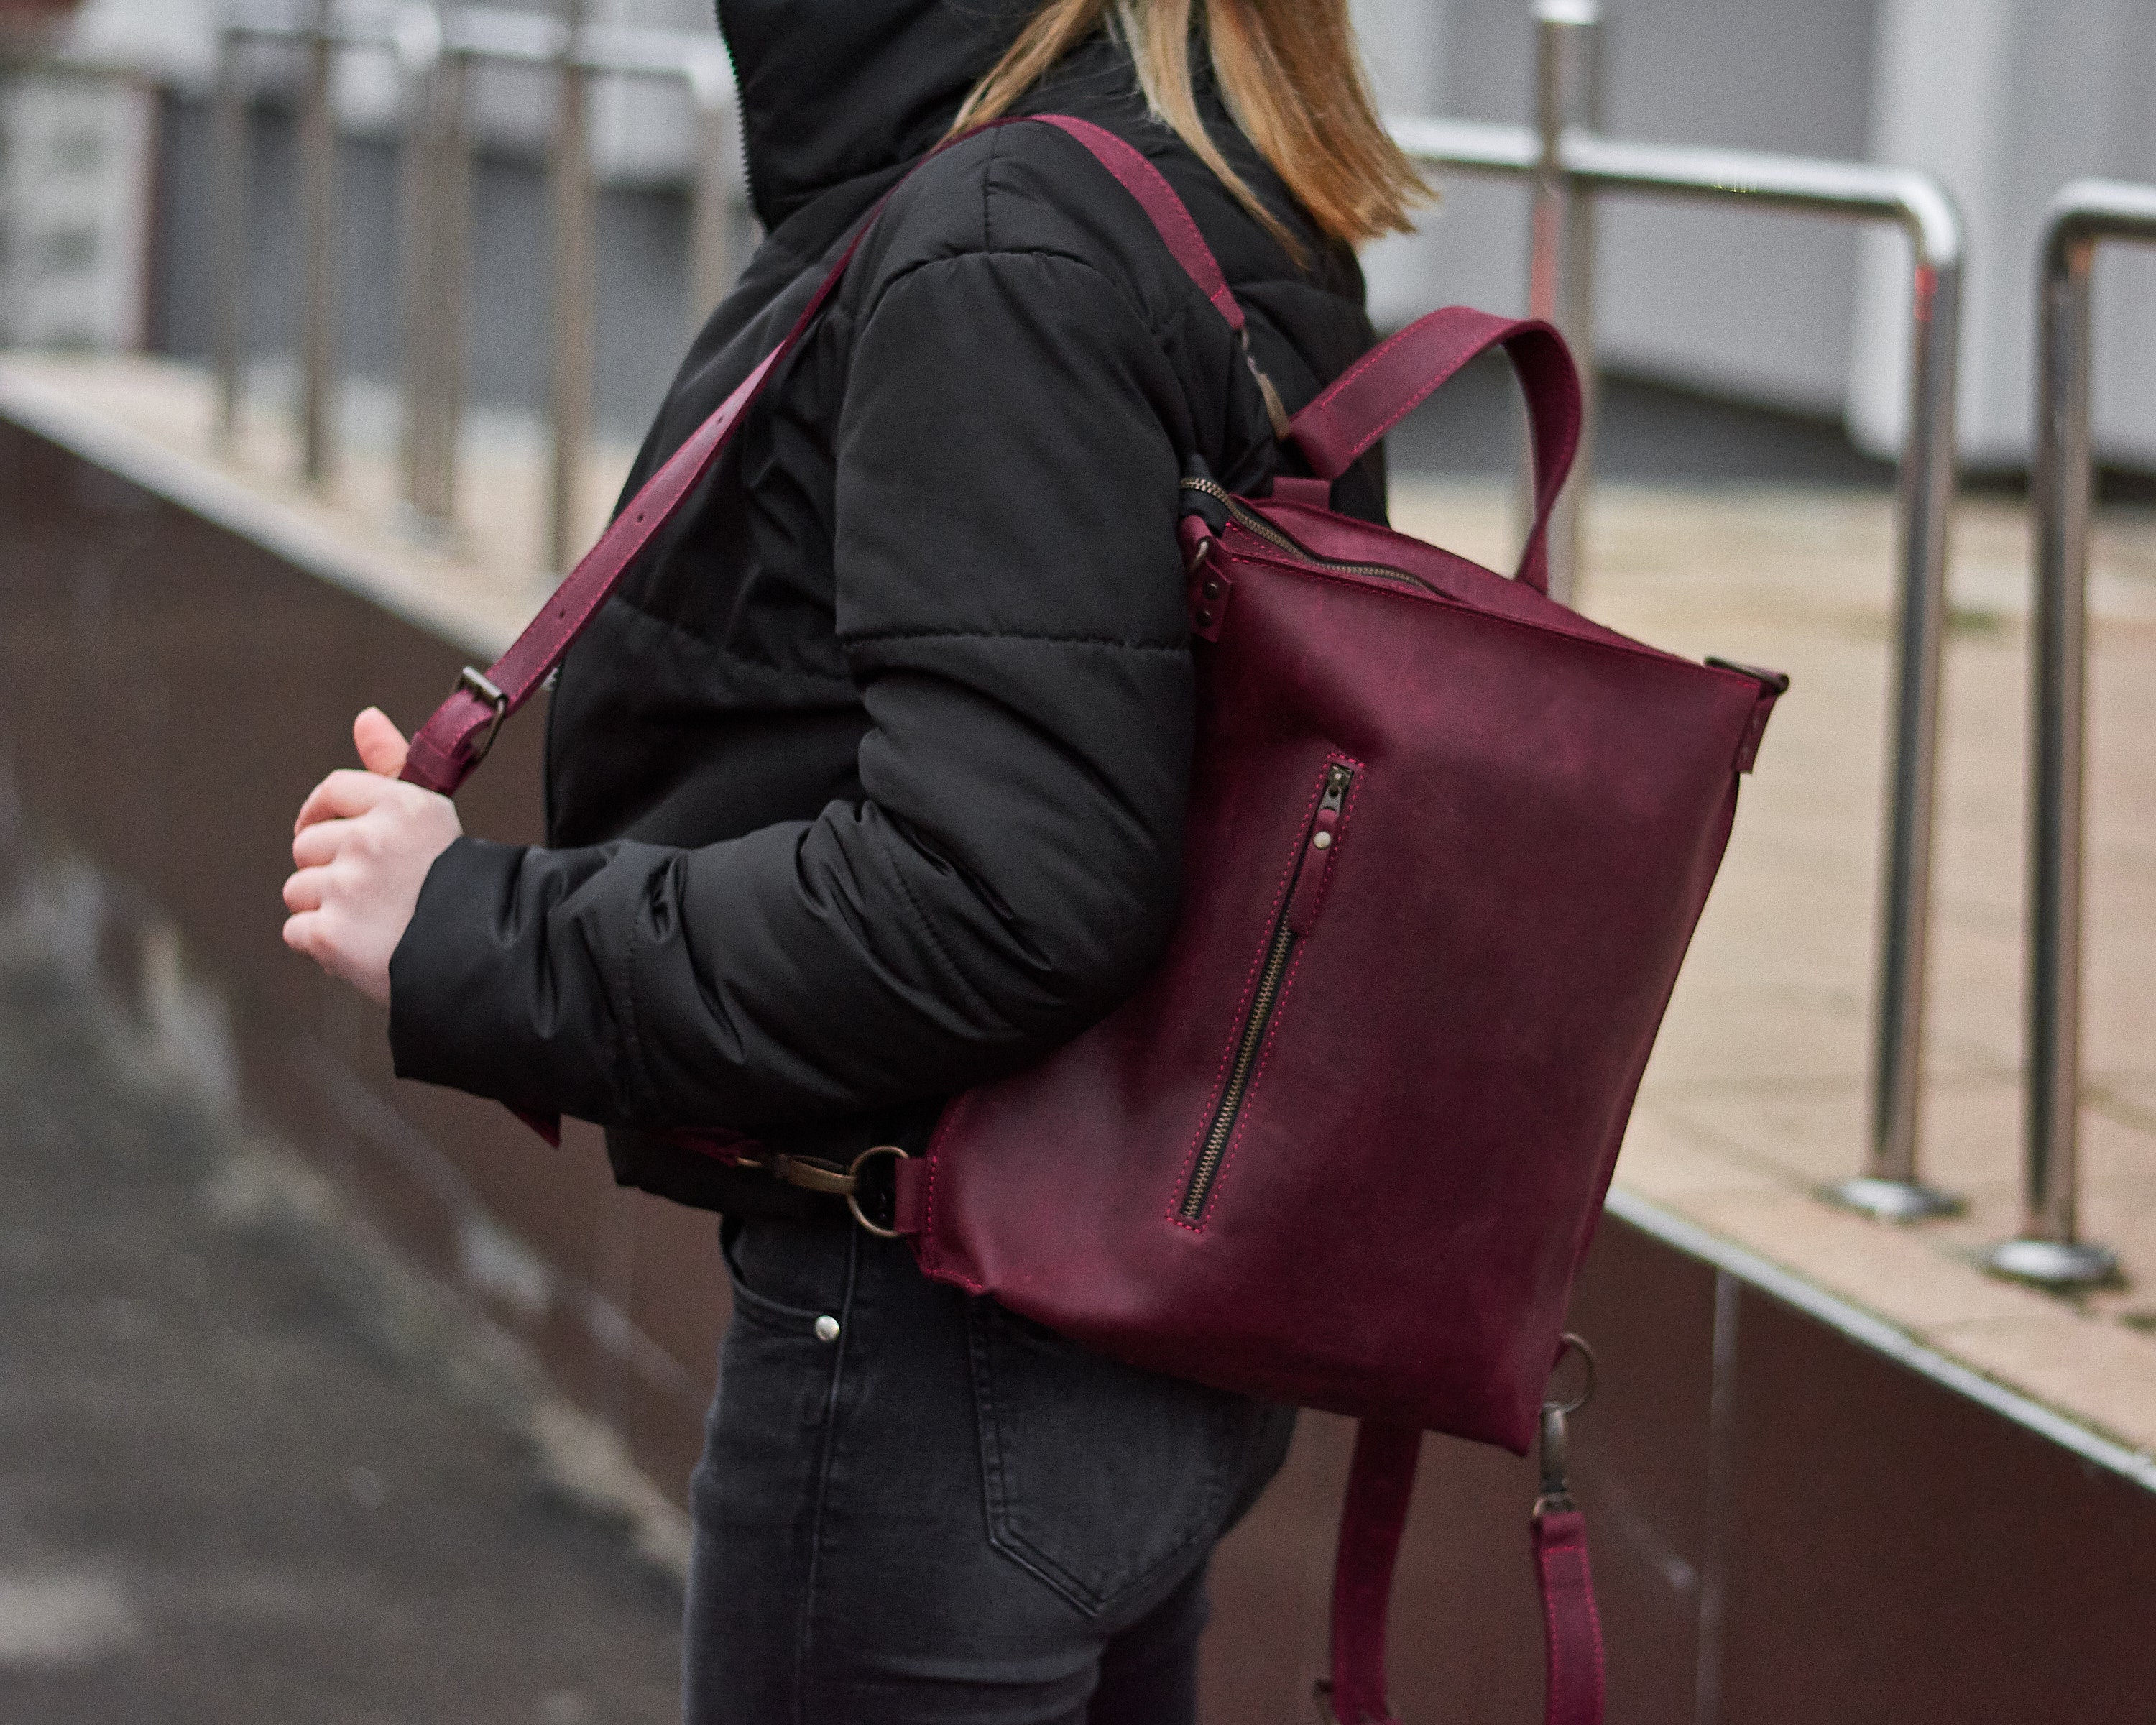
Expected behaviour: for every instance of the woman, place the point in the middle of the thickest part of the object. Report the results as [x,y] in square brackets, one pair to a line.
[867,785]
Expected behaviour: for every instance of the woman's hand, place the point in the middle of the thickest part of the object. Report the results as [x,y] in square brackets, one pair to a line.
[363,844]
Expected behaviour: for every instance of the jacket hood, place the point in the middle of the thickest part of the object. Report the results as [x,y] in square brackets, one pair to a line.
[832,90]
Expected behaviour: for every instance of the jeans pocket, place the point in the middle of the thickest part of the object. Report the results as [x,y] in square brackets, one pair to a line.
[1103,1480]
[785,1278]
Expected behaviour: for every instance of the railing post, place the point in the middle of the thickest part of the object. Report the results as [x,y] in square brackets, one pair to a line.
[575,291]
[1889,1187]
[436,172]
[228,159]
[1569,45]
[2049,1250]
[1575,162]
[318,299]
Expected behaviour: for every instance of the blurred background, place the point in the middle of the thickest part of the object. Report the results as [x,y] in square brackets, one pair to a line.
[326,333]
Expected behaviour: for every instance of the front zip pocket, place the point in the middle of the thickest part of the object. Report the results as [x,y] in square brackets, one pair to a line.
[1298,910]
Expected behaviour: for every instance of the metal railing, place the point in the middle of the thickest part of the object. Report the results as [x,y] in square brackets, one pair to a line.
[2084,214]
[436,51]
[319,31]
[1569,165]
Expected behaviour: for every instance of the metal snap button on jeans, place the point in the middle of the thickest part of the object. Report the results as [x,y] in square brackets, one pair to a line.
[827,1328]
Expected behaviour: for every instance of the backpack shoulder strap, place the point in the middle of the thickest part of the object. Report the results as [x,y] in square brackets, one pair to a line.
[455,739]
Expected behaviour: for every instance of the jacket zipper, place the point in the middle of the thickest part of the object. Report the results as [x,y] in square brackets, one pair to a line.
[1296,907]
[1252,522]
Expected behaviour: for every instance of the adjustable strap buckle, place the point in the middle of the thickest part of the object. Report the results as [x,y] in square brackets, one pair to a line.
[476,683]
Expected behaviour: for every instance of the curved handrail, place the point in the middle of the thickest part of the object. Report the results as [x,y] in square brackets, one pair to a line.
[2083,213]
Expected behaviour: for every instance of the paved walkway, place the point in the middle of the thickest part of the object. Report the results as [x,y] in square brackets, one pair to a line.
[236,1486]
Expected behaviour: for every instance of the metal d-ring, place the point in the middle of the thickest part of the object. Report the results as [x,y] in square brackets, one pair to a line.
[853,1192]
[1570,1343]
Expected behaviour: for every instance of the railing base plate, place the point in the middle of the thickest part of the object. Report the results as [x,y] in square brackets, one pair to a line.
[1894,1200]
[2053,1263]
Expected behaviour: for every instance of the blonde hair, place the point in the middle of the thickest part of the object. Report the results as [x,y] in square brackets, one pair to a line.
[1291,76]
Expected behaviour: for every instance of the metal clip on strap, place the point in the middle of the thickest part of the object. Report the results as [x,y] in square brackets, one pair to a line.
[835,1182]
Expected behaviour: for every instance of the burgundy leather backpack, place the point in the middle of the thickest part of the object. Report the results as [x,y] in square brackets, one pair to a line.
[1447,844]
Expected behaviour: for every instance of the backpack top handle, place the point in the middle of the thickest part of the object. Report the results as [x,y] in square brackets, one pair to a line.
[1395,378]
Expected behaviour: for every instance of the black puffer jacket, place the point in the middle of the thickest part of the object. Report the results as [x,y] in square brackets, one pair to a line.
[868,784]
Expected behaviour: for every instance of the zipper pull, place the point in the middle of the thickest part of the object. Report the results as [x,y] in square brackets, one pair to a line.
[1318,853]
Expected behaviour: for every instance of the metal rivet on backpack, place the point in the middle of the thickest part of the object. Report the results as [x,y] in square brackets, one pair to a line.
[1205,619]
[1212,589]
[827,1328]
[1323,841]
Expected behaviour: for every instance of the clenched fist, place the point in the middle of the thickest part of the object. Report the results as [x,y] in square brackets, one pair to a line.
[362,844]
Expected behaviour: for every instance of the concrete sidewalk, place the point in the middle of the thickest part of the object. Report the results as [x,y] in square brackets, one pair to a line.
[243,1480]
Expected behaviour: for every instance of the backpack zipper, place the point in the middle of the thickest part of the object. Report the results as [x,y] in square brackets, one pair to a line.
[1250,522]
[1316,853]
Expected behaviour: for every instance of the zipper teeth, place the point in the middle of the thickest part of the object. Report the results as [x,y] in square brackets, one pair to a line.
[1239,1079]
[1334,796]
[1252,522]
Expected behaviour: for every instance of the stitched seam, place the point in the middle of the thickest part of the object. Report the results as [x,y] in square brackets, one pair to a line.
[1093,1599]
[1594,1618]
[926,1242]
[1388,591]
[636,542]
[1325,405]
[1005,635]
[1014,1546]
[928,927]
[827,1450]
[929,1256]
[1236,1025]
[1153,327]
[715,649]
[1280,1006]
[1339,837]
[1176,211]
[1374,356]
[1552,1638]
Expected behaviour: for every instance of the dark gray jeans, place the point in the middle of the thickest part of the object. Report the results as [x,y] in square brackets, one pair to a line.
[914,1506]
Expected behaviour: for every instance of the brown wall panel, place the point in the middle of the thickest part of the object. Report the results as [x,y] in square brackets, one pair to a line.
[1895,1553]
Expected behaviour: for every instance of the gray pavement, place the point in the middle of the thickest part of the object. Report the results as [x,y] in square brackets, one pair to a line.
[230,1491]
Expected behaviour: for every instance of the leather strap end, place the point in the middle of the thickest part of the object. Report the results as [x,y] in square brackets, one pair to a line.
[1572,1629]
[1311,493]
[440,757]
[909,1208]
[1327,445]
[428,766]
